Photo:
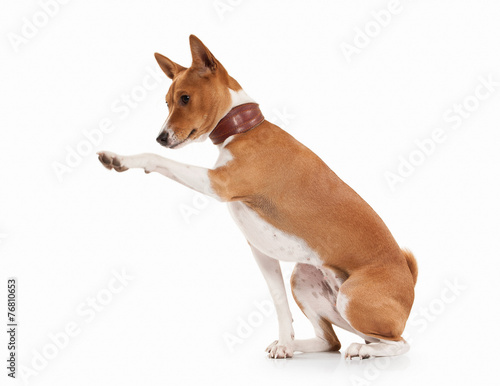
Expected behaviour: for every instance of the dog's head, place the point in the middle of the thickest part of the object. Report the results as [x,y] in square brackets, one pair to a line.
[198,97]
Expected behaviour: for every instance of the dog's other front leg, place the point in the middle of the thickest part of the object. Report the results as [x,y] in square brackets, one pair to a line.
[193,177]
[283,347]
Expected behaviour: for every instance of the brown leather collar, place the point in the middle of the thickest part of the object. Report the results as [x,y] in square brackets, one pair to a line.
[239,120]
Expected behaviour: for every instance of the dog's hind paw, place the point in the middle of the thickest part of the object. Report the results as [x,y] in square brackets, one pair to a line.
[279,351]
[384,348]
[112,161]
[354,350]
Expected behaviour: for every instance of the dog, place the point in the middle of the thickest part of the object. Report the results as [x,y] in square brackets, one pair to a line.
[291,206]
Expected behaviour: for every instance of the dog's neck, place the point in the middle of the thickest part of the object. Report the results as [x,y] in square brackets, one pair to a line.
[243,116]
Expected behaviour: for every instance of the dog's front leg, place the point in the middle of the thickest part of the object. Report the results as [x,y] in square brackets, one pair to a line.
[193,177]
[283,347]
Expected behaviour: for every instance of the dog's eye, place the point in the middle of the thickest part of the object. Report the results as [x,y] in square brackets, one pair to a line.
[185,99]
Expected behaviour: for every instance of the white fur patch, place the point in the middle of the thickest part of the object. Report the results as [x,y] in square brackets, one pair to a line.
[165,124]
[316,289]
[224,154]
[270,240]
[342,305]
[239,97]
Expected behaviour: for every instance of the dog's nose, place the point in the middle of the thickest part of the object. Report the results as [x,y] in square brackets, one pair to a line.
[162,138]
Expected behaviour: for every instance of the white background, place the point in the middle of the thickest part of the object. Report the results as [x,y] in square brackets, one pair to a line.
[194,280]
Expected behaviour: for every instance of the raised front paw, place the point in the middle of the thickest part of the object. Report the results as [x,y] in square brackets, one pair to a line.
[112,161]
[278,350]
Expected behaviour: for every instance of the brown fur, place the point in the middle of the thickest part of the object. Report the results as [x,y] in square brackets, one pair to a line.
[206,82]
[294,190]
[412,264]
[329,334]
[291,188]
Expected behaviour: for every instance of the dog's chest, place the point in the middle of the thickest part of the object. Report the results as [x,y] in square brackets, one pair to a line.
[268,239]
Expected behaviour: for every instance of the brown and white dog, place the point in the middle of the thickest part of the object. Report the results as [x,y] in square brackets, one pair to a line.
[290,206]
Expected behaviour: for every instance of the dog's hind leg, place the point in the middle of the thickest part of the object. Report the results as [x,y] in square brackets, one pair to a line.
[315,294]
[377,308]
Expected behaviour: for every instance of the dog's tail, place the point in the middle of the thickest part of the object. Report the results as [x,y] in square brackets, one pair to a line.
[412,263]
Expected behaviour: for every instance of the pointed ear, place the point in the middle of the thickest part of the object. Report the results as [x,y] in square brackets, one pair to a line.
[203,59]
[171,69]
